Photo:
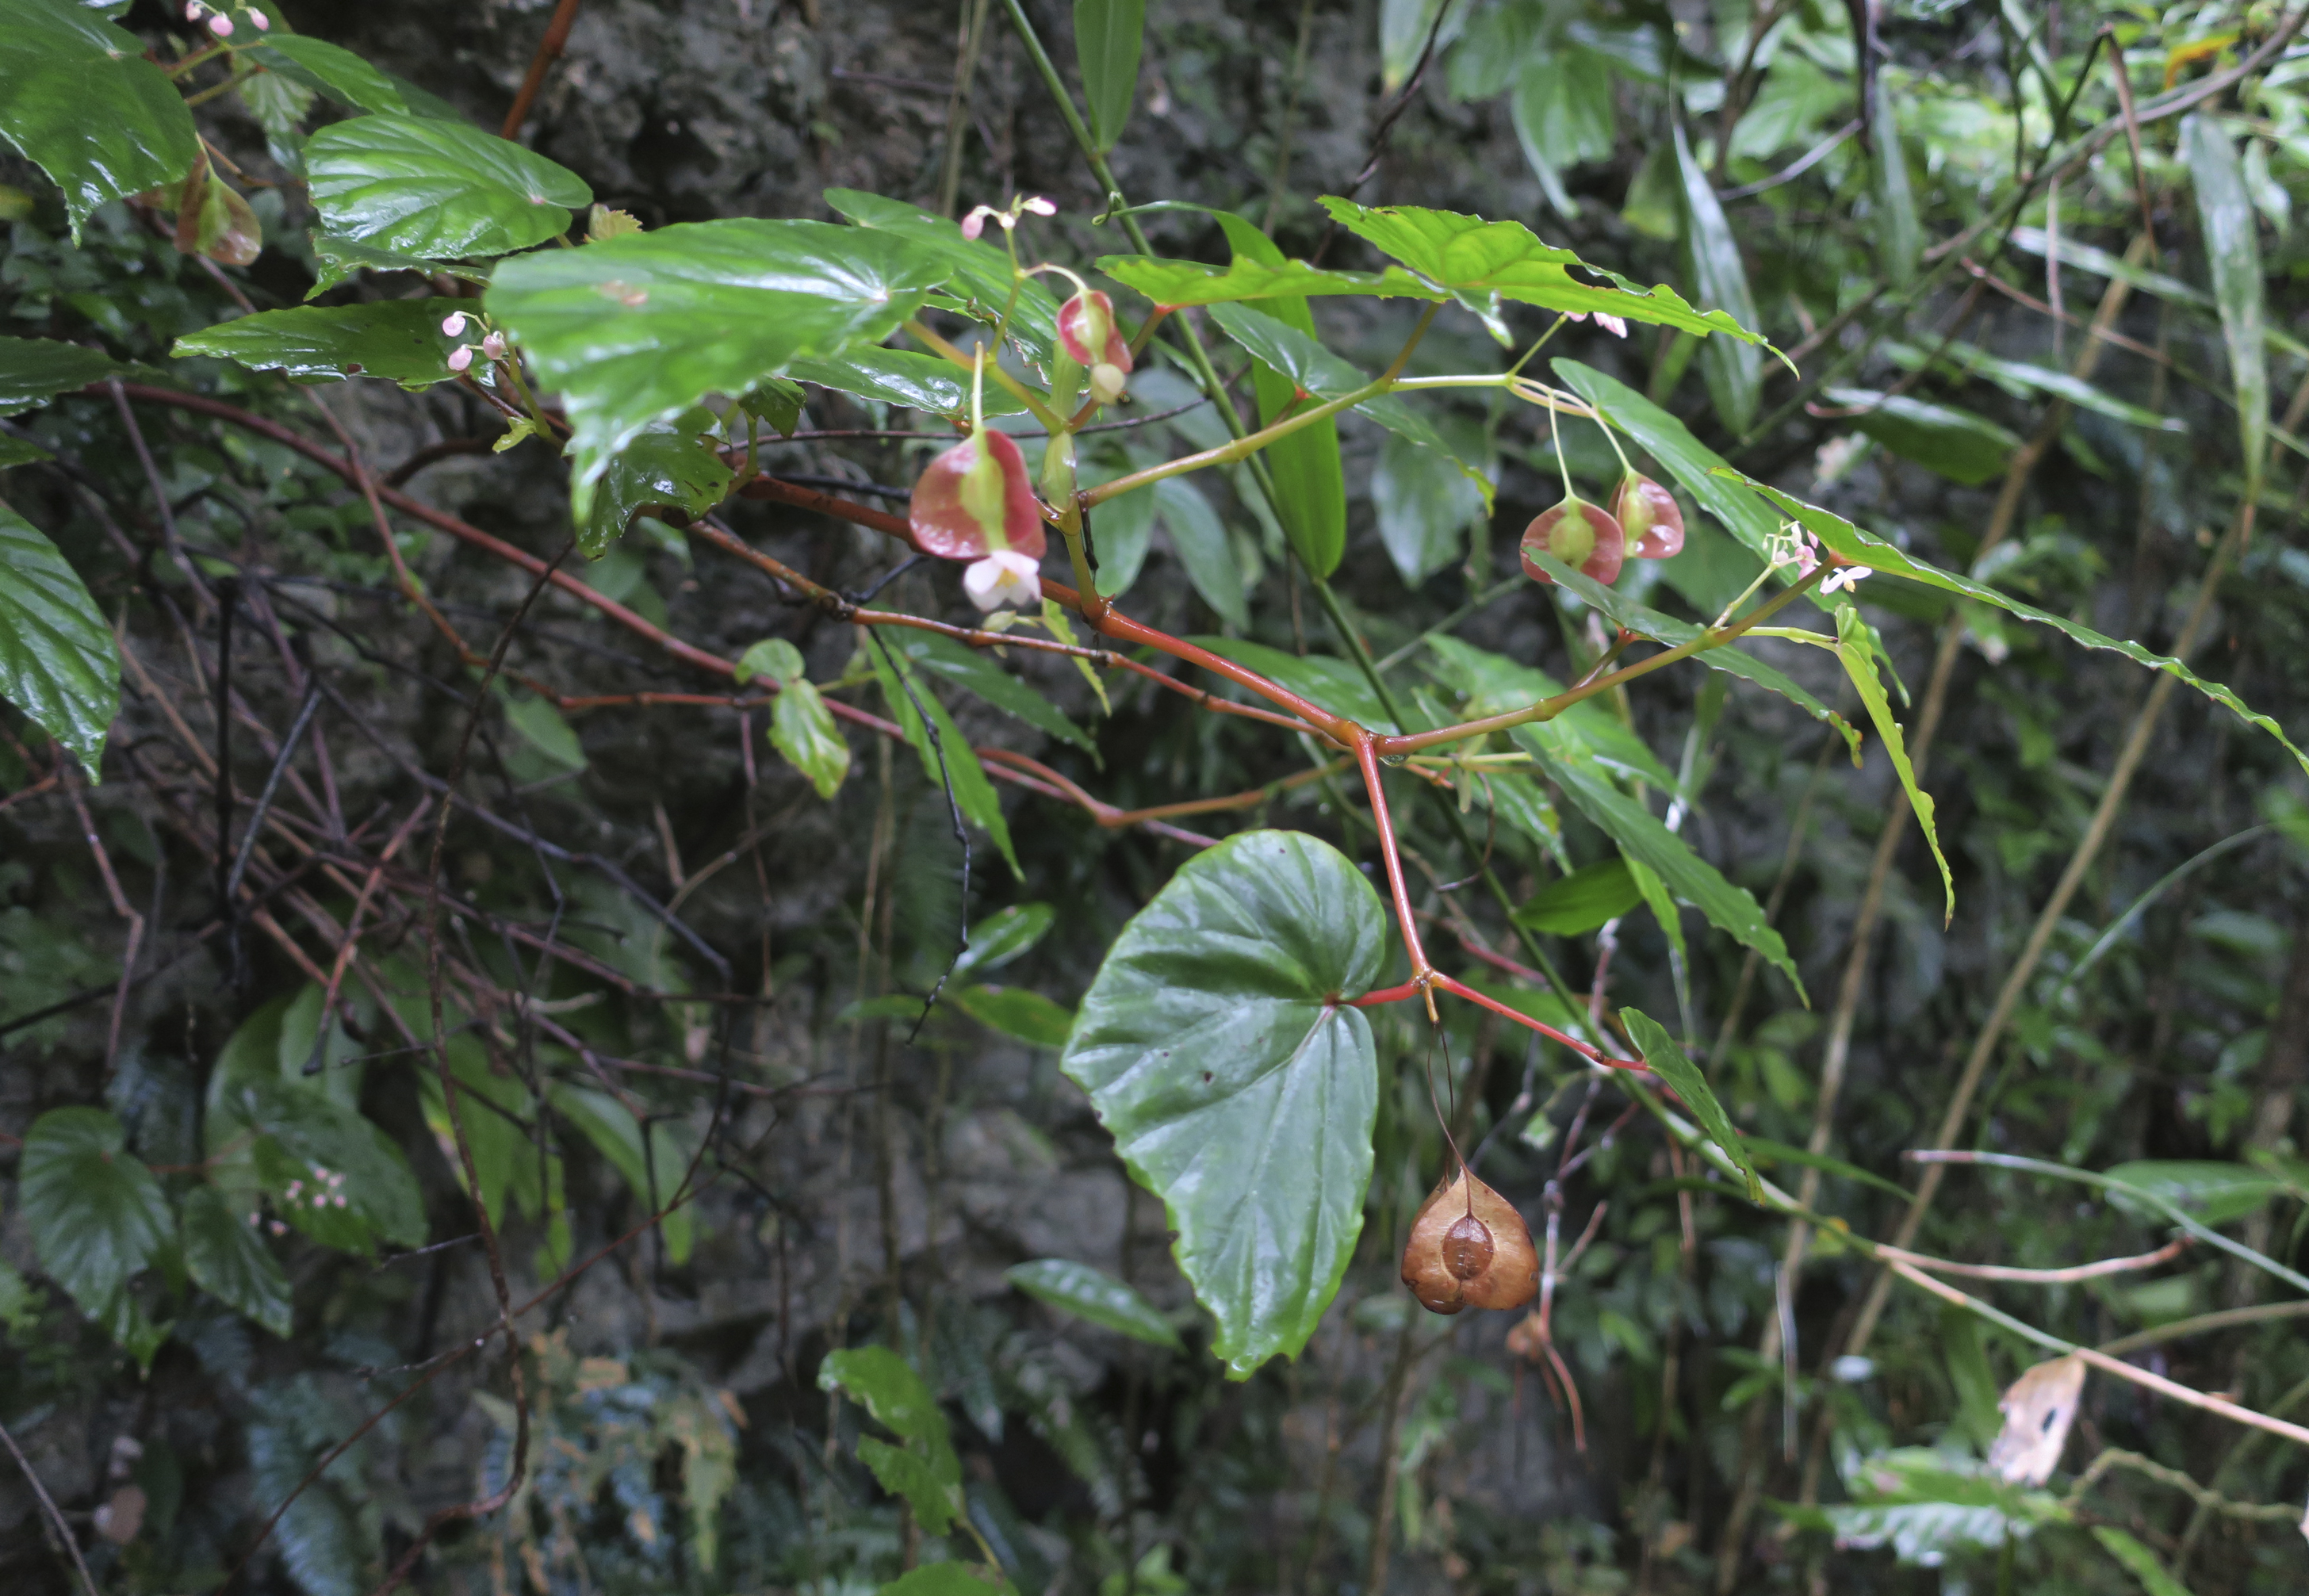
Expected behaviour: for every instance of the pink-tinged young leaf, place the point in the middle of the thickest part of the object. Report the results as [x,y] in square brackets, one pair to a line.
[976,499]
[1579,534]
[1650,519]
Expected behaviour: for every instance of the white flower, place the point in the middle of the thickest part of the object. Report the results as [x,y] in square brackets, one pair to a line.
[453,325]
[460,356]
[1106,382]
[1040,206]
[1005,577]
[1844,576]
[1614,326]
[494,346]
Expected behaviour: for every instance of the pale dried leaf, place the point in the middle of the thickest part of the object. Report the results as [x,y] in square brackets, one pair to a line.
[2038,1409]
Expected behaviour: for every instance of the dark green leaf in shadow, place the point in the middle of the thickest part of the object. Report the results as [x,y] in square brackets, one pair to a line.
[1017,1012]
[1582,901]
[1734,371]
[669,468]
[978,671]
[227,1259]
[398,339]
[2233,249]
[1199,539]
[948,756]
[35,370]
[1669,1064]
[1108,35]
[59,663]
[1092,1294]
[96,1214]
[1960,445]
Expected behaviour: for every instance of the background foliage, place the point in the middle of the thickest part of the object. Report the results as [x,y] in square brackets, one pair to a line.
[903,1309]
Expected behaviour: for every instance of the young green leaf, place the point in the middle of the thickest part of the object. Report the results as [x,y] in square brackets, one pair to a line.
[1641,837]
[331,70]
[1656,898]
[2232,248]
[1293,353]
[59,663]
[1735,372]
[1238,1087]
[422,186]
[1669,1064]
[637,329]
[228,1259]
[96,1214]
[1853,647]
[1467,255]
[35,370]
[803,728]
[1864,548]
[1005,935]
[947,757]
[1244,279]
[1092,1294]
[541,725]
[398,339]
[2138,1561]
[85,106]
[1108,36]
[661,467]
[1199,539]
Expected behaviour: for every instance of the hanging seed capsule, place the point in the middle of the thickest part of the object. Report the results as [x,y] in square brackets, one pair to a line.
[976,499]
[1650,519]
[1088,332]
[1469,1248]
[1584,536]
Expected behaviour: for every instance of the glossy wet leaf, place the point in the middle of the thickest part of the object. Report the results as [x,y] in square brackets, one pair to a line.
[418,185]
[1735,372]
[1668,1062]
[803,728]
[981,272]
[2232,250]
[227,1258]
[35,370]
[945,755]
[1731,909]
[1200,541]
[96,1213]
[638,328]
[84,105]
[1005,935]
[1108,36]
[978,671]
[1960,445]
[1094,1295]
[1865,548]
[1237,1087]
[887,1387]
[1582,901]
[672,467]
[903,377]
[398,339]
[59,663]
[340,260]
[1022,1015]
[1191,283]
[1466,255]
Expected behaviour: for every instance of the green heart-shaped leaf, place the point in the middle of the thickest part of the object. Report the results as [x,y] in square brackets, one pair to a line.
[419,186]
[1217,1046]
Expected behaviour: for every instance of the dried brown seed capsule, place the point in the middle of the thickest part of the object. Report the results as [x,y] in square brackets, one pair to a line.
[1469,1248]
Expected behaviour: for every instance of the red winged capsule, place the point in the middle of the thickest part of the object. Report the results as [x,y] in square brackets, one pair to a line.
[1650,519]
[1582,535]
[1088,332]
[976,502]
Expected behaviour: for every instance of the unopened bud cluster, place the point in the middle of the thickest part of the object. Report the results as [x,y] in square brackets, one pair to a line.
[220,24]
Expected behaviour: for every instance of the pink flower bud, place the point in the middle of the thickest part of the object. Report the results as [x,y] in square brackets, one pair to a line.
[453,325]
[1004,578]
[221,26]
[1040,206]
[261,20]
[976,499]
[494,346]
[1579,534]
[1649,516]
[192,12]
[975,223]
[460,356]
